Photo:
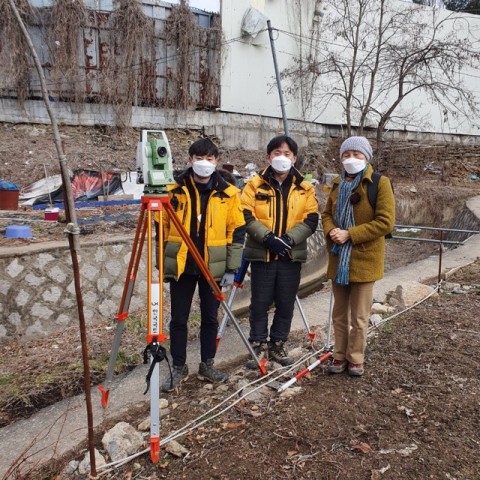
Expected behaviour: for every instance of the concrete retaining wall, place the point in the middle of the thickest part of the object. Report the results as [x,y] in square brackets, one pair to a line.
[235,130]
[37,294]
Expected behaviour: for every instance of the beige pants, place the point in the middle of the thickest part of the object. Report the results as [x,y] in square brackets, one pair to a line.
[351,312]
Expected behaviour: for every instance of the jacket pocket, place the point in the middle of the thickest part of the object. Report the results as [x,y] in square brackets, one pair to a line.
[263,209]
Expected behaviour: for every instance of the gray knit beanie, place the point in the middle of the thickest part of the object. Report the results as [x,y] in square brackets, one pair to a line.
[359,144]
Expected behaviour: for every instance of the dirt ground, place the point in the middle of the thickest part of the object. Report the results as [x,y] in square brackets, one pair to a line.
[414,414]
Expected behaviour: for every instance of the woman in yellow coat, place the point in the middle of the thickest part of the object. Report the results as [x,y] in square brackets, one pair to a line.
[355,234]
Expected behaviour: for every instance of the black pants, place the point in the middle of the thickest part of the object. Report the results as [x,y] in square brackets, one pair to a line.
[181,295]
[273,282]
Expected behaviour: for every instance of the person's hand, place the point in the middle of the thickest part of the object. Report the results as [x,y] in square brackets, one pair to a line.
[287,239]
[276,245]
[339,236]
[227,279]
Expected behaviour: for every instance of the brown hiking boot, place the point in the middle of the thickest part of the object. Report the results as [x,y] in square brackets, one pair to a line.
[178,375]
[260,349]
[207,372]
[277,353]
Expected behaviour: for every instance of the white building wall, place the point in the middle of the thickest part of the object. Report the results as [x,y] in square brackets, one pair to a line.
[248,82]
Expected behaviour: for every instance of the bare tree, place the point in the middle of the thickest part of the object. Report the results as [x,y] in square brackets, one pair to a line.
[376,53]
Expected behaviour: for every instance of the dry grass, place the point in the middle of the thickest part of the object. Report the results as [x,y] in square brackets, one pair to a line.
[14,50]
[67,20]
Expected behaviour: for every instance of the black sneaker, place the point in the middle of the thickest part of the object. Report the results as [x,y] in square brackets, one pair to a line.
[277,353]
[260,349]
[179,373]
[207,372]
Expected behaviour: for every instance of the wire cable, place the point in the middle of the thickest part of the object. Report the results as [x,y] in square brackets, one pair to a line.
[197,422]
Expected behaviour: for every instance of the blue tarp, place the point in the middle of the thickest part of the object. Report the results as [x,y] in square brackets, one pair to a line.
[8,186]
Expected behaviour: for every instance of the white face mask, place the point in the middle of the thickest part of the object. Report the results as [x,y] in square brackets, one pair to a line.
[203,168]
[281,164]
[353,165]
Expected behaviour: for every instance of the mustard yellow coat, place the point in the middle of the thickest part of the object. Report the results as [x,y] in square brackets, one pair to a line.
[368,234]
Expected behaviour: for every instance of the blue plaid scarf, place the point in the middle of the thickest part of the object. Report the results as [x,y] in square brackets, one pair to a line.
[344,219]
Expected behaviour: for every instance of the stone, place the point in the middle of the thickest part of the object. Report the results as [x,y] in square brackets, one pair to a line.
[375,319]
[295,353]
[408,294]
[144,425]
[449,286]
[253,393]
[122,440]
[291,392]
[380,308]
[84,465]
[71,467]
[176,449]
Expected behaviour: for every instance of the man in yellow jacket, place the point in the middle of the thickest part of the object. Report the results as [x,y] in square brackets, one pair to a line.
[355,233]
[210,211]
[281,212]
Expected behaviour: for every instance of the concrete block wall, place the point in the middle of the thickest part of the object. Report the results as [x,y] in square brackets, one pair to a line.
[37,293]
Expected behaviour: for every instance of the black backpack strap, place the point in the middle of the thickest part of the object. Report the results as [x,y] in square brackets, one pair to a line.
[372,190]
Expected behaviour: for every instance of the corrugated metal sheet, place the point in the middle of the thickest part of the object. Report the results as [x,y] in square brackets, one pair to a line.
[157,69]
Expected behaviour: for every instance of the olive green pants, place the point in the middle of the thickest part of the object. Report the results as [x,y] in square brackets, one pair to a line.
[350,315]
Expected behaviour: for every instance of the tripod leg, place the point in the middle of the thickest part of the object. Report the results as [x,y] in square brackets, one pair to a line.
[261,363]
[223,325]
[122,314]
[311,334]
[237,283]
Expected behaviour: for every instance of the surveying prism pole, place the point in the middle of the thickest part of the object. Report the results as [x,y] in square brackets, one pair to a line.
[310,332]
[155,335]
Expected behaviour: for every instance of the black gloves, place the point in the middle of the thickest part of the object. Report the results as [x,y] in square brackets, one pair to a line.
[278,246]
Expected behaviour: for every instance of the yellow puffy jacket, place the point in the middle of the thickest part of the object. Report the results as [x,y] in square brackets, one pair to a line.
[267,209]
[224,227]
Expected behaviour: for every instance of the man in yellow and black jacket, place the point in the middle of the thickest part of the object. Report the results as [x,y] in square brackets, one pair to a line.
[281,212]
[210,211]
